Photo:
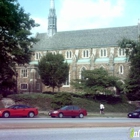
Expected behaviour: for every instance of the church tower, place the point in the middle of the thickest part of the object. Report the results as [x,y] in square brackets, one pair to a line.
[52,20]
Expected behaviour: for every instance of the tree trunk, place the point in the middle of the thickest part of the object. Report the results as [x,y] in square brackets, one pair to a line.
[53,89]
[58,89]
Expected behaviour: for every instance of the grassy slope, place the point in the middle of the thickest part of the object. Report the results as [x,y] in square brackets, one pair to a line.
[42,101]
[93,106]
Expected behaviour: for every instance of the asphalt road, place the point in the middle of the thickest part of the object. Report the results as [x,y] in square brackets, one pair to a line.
[119,133]
[24,123]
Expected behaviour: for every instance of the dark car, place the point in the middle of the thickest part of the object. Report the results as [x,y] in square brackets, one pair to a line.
[134,114]
[69,111]
[18,111]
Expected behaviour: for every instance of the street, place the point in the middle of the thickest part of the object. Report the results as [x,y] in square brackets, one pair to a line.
[37,123]
[68,128]
[119,133]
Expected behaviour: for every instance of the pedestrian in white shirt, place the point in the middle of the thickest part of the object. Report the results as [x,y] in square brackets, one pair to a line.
[102,108]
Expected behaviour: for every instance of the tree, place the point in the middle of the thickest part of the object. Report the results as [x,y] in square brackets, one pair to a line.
[61,99]
[53,70]
[15,39]
[132,85]
[94,81]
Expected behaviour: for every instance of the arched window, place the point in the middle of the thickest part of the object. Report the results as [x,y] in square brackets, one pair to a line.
[121,52]
[68,54]
[37,55]
[121,81]
[86,54]
[53,52]
[67,83]
[82,69]
[121,69]
[103,53]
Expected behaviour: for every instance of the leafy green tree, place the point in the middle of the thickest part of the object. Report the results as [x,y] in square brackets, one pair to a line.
[61,99]
[97,80]
[132,85]
[15,39]
[53,70]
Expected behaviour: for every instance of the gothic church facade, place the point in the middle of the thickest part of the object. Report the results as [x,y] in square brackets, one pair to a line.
[82,49]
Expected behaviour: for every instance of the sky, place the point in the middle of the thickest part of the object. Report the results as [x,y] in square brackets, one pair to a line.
[83,14]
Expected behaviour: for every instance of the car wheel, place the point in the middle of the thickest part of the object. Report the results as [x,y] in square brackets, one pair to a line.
[31,114]
[6,115]
[60,115]
[81,115]
[139,116]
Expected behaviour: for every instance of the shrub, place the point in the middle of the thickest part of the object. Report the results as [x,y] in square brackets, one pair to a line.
[110,99]
[61,99]
[133,96]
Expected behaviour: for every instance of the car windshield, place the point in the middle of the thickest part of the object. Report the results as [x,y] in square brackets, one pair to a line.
[64,108]
[18,106]
[137,110]
[11,106]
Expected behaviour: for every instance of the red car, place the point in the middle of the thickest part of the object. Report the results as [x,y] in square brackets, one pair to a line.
[18,111]
[69,111]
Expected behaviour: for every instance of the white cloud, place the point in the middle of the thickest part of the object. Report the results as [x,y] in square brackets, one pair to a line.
[43,25]
[85,14]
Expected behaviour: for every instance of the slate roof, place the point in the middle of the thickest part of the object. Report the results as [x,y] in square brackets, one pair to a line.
[91,38]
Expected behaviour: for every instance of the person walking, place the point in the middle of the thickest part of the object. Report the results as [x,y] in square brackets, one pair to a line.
[102,108]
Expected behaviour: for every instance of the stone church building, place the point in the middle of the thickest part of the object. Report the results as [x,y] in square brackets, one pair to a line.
[82,49]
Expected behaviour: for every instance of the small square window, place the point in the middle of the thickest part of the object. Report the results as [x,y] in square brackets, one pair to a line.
[24,86]
[24,73]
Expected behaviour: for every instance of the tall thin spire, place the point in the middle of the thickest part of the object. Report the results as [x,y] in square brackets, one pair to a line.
[52,4]
[52,20]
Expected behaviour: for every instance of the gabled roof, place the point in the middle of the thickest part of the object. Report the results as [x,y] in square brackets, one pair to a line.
[91,38]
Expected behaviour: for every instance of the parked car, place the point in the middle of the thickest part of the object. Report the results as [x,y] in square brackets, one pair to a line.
[134,114]
[18,111]
[69,111]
